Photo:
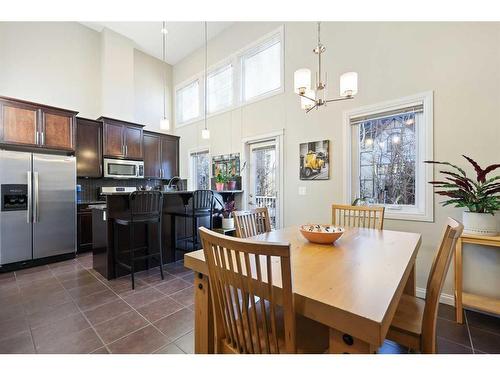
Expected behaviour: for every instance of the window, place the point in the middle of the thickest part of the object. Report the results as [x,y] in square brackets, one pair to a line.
[188,102]
[261,70]
[388,147]
[220,89]
[200,175]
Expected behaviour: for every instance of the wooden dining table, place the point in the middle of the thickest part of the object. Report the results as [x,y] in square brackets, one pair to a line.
[352,286]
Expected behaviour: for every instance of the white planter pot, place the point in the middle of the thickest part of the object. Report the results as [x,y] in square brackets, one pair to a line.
[228,223]
[480,224]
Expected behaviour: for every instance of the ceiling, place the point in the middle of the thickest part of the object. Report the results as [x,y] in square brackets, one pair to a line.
[183,37]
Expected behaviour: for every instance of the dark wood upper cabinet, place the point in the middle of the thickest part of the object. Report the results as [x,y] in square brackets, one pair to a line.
[161,155]
[122,139]
[169,156]
[88,148]
[25,123]
[152,151]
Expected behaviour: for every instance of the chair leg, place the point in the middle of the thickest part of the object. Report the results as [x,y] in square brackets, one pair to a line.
[160,249]
[132,257]
[195,232]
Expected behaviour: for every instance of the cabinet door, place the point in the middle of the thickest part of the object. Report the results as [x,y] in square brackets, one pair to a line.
[84,230]
[113,140]
[133,142]
[152,154]
[88,148]
[57,131]
[170,156]
[18,124]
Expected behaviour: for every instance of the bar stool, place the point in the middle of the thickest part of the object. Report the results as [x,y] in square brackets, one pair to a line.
[202,205]
[145,207]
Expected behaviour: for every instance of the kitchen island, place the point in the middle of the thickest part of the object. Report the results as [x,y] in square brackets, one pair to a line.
[117,204]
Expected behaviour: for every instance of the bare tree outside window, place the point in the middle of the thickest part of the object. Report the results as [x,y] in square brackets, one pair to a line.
[200,165]
[387,157]
[265,180]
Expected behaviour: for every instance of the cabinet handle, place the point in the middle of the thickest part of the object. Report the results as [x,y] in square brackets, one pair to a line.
[43,138]
[36,138]
[126,150]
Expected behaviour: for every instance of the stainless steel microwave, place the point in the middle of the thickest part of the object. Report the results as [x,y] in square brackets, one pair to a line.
[116,168]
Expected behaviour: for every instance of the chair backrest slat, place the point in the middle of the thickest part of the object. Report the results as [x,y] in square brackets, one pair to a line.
[203,200]
[358,216]
[435,282]
[252,222]
[146,203]
[245,276]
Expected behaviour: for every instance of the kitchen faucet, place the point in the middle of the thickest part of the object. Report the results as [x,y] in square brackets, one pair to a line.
[169,185]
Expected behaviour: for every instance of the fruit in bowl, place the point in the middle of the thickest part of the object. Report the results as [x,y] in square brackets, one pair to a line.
[321,233]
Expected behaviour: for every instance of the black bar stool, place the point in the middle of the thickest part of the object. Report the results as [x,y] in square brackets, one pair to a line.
[145,207]
[202,205]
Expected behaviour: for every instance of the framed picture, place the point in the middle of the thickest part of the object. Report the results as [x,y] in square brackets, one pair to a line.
[315,160]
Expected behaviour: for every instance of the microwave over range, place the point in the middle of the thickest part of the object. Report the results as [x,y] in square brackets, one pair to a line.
[117,168]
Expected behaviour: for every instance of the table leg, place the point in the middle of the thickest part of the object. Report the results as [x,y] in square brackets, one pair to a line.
[343,343]
[458,282]
[411,284]
[204,339]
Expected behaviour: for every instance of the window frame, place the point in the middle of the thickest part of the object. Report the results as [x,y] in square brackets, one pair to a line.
[213,71]
[192,179]
[235,59]
[424,172]
[182,86]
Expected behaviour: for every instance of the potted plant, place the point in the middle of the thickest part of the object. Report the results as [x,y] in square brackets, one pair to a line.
[227,214]
[220,180]
[231,183]
[481,196]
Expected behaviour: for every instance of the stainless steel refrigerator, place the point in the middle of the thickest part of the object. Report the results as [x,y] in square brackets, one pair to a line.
[38,206]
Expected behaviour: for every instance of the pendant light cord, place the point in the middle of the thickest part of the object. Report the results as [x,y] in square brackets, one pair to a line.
[205,85]
[164,56]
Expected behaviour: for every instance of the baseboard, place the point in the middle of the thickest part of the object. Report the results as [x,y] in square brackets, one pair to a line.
[447,299]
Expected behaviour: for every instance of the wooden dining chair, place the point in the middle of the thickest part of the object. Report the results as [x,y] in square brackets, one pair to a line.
[358,216]
[252,313]
[414,324]
[252,222]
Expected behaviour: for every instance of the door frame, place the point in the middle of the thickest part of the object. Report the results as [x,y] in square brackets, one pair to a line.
[278,136]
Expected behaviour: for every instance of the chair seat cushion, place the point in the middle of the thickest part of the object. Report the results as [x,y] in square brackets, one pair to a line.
[409,315]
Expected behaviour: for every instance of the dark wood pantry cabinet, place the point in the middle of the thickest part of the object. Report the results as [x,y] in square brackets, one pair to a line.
[88,148]
[122,139]
[24,123]
[161,155]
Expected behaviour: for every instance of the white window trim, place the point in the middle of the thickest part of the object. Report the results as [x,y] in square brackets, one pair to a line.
[191,181]
[214,70]
[425,152]
[235,60]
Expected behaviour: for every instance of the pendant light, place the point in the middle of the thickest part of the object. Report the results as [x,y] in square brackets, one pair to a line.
[311,98]
[164,122]
[205,133]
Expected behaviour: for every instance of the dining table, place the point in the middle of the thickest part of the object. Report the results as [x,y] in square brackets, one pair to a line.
[352,286]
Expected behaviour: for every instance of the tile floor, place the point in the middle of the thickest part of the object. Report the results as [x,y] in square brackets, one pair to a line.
[67,307]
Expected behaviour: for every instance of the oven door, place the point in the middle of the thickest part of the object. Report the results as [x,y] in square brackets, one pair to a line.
[120,168]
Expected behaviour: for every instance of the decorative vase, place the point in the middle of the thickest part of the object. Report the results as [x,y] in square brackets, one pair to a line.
[219,186]
[480,224]
[227,223]
[231,185]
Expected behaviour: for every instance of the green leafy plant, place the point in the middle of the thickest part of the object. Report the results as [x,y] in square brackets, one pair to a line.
[480,196]
[221,178]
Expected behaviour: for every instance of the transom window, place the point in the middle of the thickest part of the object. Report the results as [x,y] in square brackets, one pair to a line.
[220,89]
[188,102]
[389,143]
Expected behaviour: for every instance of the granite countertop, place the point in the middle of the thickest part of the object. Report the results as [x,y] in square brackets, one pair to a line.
[177,192]
[91,202]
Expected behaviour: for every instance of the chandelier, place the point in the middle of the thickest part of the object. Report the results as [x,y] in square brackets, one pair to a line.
[315,98]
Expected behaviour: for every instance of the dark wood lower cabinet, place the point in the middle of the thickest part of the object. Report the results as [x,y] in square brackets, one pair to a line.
[84,229]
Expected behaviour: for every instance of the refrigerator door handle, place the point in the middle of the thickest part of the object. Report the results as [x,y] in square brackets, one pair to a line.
[30,192]
[36,215]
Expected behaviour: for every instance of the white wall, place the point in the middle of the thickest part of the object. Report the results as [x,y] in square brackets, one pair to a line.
[68,65]
[458,61]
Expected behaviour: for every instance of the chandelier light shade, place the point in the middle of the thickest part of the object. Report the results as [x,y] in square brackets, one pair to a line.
[311,98]
[302,80]
[348,84]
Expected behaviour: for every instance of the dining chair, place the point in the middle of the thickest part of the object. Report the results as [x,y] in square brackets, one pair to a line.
[414,324]
[358,216]
[252,222]
[252,315]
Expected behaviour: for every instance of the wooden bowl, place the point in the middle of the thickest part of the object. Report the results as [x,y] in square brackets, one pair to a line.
[321,233]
